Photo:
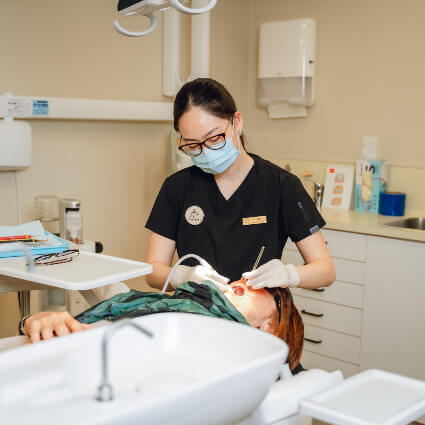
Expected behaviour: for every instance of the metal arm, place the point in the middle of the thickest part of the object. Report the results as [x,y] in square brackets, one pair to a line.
[10,247]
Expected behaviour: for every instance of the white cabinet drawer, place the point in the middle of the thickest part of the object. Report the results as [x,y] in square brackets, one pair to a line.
[316,361]
[350,246]
[350,271]
[339,293]
[330,316]
[332,344]
[346,270]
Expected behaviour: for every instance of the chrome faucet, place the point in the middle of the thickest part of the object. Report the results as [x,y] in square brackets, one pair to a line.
[105,392]
[318,193]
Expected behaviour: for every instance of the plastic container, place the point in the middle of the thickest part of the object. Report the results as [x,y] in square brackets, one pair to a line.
[46,209]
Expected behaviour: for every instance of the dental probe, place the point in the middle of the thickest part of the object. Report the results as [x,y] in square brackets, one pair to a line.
[258,258]
[244,279]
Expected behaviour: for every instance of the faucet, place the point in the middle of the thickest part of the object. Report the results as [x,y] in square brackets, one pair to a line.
[105,392]
[318,193]
[318,188]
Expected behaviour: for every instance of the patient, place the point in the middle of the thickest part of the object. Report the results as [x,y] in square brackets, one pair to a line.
[270,311]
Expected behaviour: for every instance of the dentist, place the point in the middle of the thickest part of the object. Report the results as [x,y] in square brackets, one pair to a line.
[224,208]
[230,203]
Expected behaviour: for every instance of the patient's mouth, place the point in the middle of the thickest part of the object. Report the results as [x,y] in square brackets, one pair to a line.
[238,288]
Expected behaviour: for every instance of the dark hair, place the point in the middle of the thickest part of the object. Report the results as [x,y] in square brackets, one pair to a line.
[209,95]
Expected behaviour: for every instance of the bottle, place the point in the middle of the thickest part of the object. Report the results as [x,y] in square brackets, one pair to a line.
[73,225]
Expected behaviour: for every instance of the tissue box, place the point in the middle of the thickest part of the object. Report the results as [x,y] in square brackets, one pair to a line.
[371,178]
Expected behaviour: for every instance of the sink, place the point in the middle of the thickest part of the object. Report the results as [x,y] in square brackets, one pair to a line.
[195,370]
[417,223]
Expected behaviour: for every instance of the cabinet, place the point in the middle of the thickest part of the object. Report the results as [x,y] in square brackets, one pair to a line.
[393,331]
[373,316]
[333,315]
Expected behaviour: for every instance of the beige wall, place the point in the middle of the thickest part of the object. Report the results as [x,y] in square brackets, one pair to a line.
[69,49]
[369,81]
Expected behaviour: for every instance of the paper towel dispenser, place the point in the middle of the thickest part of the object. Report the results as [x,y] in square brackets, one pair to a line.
[287,56]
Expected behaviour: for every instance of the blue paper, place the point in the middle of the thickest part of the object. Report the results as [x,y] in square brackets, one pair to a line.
[53,244]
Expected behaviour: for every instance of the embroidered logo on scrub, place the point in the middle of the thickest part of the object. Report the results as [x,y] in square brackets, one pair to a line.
[194,215]
[247,221]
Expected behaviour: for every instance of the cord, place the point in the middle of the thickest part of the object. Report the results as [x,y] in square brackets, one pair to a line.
[18,198]
[202,262]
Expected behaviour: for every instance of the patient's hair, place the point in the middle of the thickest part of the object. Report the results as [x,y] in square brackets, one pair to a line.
[208,94]
[291,328]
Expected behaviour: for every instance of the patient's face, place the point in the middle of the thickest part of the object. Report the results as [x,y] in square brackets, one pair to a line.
[256,305]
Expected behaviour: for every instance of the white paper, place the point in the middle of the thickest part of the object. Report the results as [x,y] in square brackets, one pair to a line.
[35,229]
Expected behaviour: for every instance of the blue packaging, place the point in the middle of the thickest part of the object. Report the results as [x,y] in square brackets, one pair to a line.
[371,178]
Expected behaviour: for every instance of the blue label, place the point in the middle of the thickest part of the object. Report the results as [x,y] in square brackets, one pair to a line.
[40,107]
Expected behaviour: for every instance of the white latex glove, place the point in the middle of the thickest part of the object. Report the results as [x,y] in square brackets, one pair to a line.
[197,274]
[273,274]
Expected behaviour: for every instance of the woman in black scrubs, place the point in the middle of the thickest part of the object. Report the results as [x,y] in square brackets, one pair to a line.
[224,209]
[229,204]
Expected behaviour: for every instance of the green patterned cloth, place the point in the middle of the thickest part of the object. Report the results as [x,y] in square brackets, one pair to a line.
[189,297]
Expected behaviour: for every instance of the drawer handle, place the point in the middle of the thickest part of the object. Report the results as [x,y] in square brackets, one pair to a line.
[319,289]
[312,314]
[314,341]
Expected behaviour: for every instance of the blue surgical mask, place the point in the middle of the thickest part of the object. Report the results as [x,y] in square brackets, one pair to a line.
[217,161]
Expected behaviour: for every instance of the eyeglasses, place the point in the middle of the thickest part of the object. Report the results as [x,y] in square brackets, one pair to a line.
[57,257]
[214,142]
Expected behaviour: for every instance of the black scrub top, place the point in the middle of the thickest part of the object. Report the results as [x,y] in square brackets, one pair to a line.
[269,206]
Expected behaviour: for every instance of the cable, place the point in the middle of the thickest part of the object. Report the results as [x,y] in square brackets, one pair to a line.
[202,262]
[18,198]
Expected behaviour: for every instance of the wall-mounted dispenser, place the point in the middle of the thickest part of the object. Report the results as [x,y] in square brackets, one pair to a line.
[15,144]
[287,56]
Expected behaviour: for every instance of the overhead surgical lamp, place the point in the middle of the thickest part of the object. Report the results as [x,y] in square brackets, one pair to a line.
[148,7]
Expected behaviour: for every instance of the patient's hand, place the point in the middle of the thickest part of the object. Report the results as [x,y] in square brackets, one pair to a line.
[50,324]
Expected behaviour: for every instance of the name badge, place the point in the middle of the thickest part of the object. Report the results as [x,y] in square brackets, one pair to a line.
[247,221]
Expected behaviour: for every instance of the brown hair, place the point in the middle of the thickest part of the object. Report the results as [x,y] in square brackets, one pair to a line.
[291,327]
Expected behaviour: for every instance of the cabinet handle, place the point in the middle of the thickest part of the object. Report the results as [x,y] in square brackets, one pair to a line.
[312,314]
[319,289]
[314,341]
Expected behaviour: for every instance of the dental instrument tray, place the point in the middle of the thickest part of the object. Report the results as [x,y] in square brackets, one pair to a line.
[371,397]
[87,271]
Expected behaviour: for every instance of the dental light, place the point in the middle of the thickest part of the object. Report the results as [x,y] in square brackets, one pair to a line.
[148,7]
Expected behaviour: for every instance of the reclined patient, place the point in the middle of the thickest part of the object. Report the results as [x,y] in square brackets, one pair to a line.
[271,312]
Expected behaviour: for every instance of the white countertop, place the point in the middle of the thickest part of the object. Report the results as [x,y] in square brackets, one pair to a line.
[369,224]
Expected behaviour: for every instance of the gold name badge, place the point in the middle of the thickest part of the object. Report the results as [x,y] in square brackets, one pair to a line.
[247,221]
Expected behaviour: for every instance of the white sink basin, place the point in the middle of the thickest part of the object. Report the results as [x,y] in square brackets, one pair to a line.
[195,370]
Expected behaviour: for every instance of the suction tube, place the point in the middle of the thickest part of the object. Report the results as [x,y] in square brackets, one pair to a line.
[202,262]
[123,31]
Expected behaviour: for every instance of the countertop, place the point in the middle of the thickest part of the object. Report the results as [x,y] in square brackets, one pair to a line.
[369,224]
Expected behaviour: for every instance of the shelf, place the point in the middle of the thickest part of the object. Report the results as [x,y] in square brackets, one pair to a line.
[83,109]
[87,271]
